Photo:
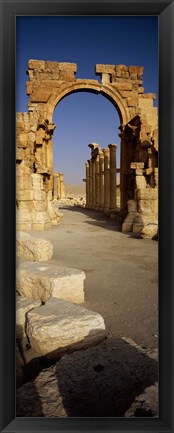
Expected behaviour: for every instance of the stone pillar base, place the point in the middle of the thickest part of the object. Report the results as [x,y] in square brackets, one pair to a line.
[141,221]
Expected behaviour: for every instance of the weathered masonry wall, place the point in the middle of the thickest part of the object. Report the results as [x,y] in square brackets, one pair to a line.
[48,83]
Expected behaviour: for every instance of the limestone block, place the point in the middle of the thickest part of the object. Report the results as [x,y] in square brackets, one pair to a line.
[132,102]
[108,69]
[123,86]
[23,139]
[40,206]
[138,70]
[20,155]
[128,94]
[121,68]
[51,66]
[32,248]
[65,66]
[150,231]
[141,220]
[105,78]
[127,225]
[145,206]
[146,194]
[29,86]
[132,206]
[23,305]
[59,325]
[139,172]
[66,76]
[24,195]
[36,64]
[41,281]
[41,95]
[23,182]
[39,195]
[140,182]
[140,90]
[37,181]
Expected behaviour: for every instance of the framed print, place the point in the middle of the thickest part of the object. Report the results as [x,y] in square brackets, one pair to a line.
[103,375]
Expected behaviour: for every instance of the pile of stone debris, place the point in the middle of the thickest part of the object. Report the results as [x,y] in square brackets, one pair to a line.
[73,200]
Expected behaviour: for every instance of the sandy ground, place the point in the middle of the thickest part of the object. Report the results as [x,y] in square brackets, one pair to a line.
[121,272]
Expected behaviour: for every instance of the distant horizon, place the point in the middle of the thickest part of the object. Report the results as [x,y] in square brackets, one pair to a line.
[82,118]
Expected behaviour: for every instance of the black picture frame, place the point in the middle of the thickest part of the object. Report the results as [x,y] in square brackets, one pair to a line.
[165,12]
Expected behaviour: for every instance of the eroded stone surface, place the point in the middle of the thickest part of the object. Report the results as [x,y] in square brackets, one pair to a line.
[42,281]
[150,231]
[23,305]
[100,381]
[59,325]
[32,248]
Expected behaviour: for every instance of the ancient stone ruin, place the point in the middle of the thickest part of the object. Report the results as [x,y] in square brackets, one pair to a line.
[48,83]
[58,186]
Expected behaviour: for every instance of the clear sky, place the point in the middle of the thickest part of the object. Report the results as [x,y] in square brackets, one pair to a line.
[82,118]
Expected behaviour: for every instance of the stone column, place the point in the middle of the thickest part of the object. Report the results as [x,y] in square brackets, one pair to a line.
[112,149]
[101,181]
[58,185]
[97,182]
[87,183]
[106,181]
[55,178]
[62,189]
[90,183]
[93,183]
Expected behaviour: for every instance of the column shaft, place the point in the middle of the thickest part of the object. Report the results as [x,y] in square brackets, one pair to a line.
[101,181]
[55,182]
[90,183]
[106,180]
[87,183]
[97,182]
[93,183]
[112,149]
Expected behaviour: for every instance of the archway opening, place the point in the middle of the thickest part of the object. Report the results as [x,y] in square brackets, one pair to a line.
[81,118]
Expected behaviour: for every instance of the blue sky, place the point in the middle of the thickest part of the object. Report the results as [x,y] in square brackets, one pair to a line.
[82,117]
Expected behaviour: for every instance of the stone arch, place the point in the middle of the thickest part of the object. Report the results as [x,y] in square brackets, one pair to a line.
[49,82]
[86,85]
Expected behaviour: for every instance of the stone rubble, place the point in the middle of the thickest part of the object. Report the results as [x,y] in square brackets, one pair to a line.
[41,281]
[73,200]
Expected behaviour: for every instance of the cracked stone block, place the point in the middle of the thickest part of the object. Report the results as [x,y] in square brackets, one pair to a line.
[23,305]
[43,281]
[32,248]
[59,326]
